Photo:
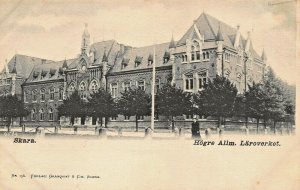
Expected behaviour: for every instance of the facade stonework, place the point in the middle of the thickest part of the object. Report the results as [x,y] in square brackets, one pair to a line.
[208,48]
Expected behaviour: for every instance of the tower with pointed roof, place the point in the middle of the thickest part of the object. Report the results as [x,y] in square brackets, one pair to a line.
[85,40]
[13,77]
[220,52]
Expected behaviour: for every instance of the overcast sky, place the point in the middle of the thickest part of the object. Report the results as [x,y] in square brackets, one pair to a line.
[53,29]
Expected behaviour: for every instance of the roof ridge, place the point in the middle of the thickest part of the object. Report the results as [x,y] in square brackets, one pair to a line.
[209,24]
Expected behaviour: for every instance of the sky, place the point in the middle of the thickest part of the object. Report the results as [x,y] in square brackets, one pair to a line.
[53,29]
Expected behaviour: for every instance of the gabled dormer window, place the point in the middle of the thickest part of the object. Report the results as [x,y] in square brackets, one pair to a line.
[166,57]
[124,63]
[138,61]
[35,74]
[150,59]
[43,74]
[52,72]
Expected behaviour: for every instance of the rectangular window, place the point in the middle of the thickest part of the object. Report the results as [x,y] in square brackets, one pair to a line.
[198,55]
[193,56]
[189,82]
[202,79]
[51,116]
[189,117]
[157,85]
[61,94]
[126,118]
[114,88]
[126,86]
[141,85]
[140,118]
[113,118]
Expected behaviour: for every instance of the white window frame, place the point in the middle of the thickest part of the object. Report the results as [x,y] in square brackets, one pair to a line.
[114,93]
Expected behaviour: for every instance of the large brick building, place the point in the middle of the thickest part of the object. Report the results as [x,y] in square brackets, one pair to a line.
[208,48]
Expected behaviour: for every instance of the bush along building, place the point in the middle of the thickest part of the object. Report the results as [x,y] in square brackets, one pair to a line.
[208,48]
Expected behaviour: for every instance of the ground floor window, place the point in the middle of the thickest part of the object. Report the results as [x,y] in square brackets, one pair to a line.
[42,115]
[141,118]
[126,118]
[113,118]
[51,115]
[188,117]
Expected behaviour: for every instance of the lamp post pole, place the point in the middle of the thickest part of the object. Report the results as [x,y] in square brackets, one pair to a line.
[153,91]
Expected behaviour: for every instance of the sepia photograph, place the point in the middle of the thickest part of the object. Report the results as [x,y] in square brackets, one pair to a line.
[149,94]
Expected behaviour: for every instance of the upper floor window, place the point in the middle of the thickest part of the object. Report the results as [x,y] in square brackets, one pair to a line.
[189,82]
[141,85]
[184,58]
[51,114]
[157,85]
[114,88]
[82,86]
[72,87]
[227,56]
[126,86]
[52,92]
[42,93]
[34,96]
[61,94]
[94,86]
[205,56]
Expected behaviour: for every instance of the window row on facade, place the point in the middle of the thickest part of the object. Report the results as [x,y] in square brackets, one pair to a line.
[44,94]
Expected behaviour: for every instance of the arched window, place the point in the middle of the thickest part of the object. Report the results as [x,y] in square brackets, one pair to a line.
[94,86]
[51,114]
[82,86]
[207,55]
[114,88]
[52,92]
[34,97]
[42,93]
[204,56]
[72,87]
[33,114]
[195,54]
[42,114]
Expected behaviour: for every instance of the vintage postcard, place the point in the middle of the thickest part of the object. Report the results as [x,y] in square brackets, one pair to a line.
[149,94]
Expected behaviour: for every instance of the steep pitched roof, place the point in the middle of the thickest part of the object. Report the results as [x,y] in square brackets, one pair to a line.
[209,27]
[143,53]
[49,69]
[24,64]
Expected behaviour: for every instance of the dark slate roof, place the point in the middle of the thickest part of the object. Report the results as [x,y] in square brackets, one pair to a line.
[144,53]
[111,47]
[50,71]
[209,27]
[24,64]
